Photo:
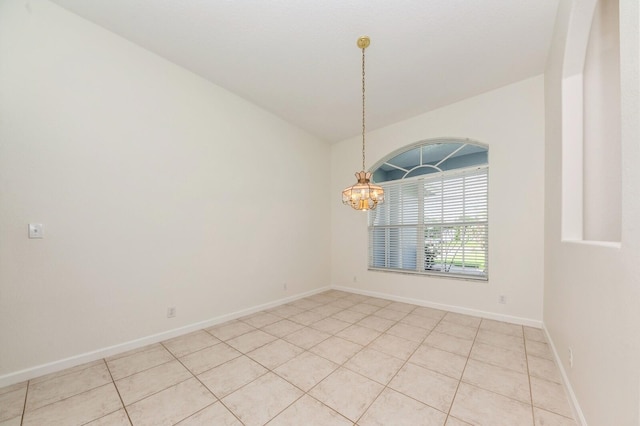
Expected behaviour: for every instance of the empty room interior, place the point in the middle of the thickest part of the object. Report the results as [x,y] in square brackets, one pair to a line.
[183,241]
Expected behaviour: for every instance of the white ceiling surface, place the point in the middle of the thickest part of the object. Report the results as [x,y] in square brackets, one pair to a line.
[299,59]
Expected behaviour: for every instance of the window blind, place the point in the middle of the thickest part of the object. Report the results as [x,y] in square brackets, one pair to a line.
[436,223]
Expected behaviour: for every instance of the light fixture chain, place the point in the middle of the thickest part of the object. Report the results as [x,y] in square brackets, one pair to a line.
[364,195]
[363,110]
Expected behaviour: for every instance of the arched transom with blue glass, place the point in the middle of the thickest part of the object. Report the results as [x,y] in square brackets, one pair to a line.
[429,158]
[435,217]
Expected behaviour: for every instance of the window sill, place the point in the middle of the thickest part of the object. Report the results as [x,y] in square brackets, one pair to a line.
[594,243]
[444,275]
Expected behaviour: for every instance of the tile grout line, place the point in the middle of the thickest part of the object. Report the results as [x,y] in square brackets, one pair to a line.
[141,371]
[24,406]
[304,393]
[124,407]
[267,368]
[386,386]
[351,357]
[205,386]
[509,397]
[307,393]
[455,394]
[161,390]
[76,369]
[138,372]
[342,365]
[69,396]
[526,357]
[543,379]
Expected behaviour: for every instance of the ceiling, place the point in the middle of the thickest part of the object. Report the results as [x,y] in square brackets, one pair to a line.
[299,59]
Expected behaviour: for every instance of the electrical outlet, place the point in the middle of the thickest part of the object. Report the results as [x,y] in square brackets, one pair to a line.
[502,299]
[35,230]
[570,357]
[171,312]
[284,286]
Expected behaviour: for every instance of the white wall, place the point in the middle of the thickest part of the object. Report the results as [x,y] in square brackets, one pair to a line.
[156,188]
[511,121]
[592,292]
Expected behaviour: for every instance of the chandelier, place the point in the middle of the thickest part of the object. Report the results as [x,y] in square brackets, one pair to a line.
[364,195]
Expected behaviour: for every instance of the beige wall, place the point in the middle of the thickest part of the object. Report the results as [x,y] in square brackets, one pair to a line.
[591,293]
[510,121]
[155,188]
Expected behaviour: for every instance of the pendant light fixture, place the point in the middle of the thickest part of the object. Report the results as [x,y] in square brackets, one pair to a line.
[364,195]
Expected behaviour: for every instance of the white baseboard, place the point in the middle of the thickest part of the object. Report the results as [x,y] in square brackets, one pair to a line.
[578,415]
[452,308]
[52,367]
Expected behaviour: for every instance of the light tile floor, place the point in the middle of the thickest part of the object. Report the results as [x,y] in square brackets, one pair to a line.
[335,358]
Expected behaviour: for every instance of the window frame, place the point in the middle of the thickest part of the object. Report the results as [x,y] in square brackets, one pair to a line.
[421,226]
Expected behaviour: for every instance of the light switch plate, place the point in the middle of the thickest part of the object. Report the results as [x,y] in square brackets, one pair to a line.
[35,230]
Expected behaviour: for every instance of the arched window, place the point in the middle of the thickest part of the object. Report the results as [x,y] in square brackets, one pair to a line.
[435,216]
